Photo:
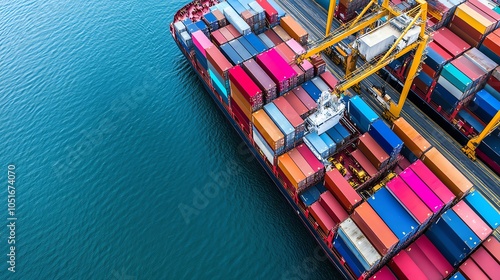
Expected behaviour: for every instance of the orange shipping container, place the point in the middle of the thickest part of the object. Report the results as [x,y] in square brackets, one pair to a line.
[447,173]
[241,101]
[281,33]
[341,189]
[291,171]
[412,139]
[370,223]
[268,130]
[294,29]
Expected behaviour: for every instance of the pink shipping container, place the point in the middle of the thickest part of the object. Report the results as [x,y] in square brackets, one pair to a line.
[308,68]
[439,261]
[218,38]
[384,273]
[486,262]
[250,91]
[332,207]
[305,98]
[300,74]
[433,182]
[415,206]
[297,105]
[364,162]
[296,47]
[315,164]
[405,268]
[471,271]
[201,41]
[423,262]
[278,69]
[450,42]
[427,196]
[329,79]
[473,221]
[322,218]
[492,245]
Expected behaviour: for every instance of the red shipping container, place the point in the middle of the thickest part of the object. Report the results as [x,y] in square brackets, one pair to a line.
[494,82]
[290,114]
[370,223]
[273,37]
[250,91]
[225,32]
[415,206]
[329,79]
[315,164]
[492,245]
[492,42]
[241,118]
[218,38]
[427,267]
[364,162]
[233,31]
[472,35]
[278,69]
[333,207]
[284,50]
[442,52]
[433,182]
[324,221]
[450,42]
[305,98]
[300,73]
[473,221]
[468,67]
[384,273]
[297,105]
[372,150]
[271,13]
[338,186]
[405,268]
[471,271]
[218,61]
[486,262]
[428,70]
[439,261]
[303,165]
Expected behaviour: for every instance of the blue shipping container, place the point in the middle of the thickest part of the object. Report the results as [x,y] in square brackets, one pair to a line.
[487,104]
[349,258]
[483,208]
[253,52]
[231,54]
[386,138]
[312,90]
[355,253]
[335,136]
[360,113]
[256,43]
[393,214]
[310,195]
[236,6]
[211,21]
[434,60]
[191,28]
[240,49]
[316,143]
[342,131]
[452,251]
[426,79]
[471,120]
[457,276]
[329,142]
[282,123]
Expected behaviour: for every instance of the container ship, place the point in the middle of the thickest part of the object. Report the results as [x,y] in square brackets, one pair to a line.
[375,211]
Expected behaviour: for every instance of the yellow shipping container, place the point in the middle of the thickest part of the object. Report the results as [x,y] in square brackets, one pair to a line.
[294,29]
[474,19]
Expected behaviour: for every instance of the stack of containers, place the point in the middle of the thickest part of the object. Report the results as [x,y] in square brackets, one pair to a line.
[296,47]
[290,173]
[491,46]
[306,169]
[436,58]
[483,265]
[470,270]
[246,44]
[454,239]
[263,80]
[413,141]
[329,79]
[342,190]
[447,173]
[471,219]
[372,150]
[318,63]
[316,165]
[270,12]
[320,84]
[384,273]
[231,54]
[484,106]
[308,69]
[273,37]
[221,19]
[386,138]
[410,201]
[269,132]
[278,69]
[279,10]
[282,123]
[286,53]
[256,43]
[333,207]
[433,255]
[360,113]
[370,223]
[422,190]
[394,215]
[201,43]
[282,34]
[332,146]
[355,248]
[321,217]
[404,267]
[484,209]
[346,9]
[473,20]
[211,21]
[218,69]
[244,92]
[296,104]
[294,29]
[292,116]
[240,50]
[442,11]
[310,195]
[260,17]
[304,97]
[418,257]
[335,136]
[317,145]
[238,23]
[433,182]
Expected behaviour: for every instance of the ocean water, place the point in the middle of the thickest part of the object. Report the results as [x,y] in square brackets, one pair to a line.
[124,167]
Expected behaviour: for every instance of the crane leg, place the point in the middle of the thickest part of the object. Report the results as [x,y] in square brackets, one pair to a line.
[331,11]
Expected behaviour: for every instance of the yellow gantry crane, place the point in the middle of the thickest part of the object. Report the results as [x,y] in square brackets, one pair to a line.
[366,19]
[470,148]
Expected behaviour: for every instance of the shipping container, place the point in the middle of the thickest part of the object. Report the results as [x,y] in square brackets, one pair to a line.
[472,271]
[219,62]
[329,79]
[286,53]
[321,217]
[384,273]
[450,42]
[292,172]
[373,151]
[316,165]
[278,69]
[273,37]
[355,260]
[305,98]
[420,188]
[300,74]
[246,86]
[240,49]
[492,245]
[360,113]
[364,162]
[447,173]
[237,22]
[263,146]
[486,262]
[471,219]
[335,136]
[271,133]
[342,131]
[256,42]
[423,262]
[296,104]
[342,190]
[457,276]
[433,254]
[311,89]
[294,29]
[393,214]
[485,106]
[483,208]
[405,268]
[433,182]
[417,144]
[310,195]
[295,47]
[263,81]
[374,228]
[282,123]
[386,138]
[231,54]
[332,146]
[281,33]
[271,13]
[316,145]
[268,42]
[332,207]
[349,260]
[303,166]
[361,246]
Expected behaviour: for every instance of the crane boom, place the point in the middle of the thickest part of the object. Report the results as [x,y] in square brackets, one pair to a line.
[470,148]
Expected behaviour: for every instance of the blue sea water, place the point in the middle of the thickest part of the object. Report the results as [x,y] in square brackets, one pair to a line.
[113,139]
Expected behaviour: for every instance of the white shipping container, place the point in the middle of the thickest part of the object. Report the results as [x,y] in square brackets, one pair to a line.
[320,84]
[236,21]
[365,248]
[451,88]
[179,27]
[221,6]
[481,60]
[262,144]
